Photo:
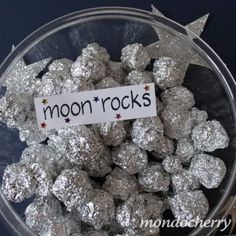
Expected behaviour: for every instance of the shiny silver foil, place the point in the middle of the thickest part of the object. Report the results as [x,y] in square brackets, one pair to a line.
[79,144]
[99,211]
[93,50]
[100,166]
[153,178]
[134,56]
[166,73]
[130,213]
[100,173]
[107,82]
[184,180]
[85,68]
[73,188]
[14,109]
[209,136]
[179,97]
[172,164]
[22,77]
[29,131]
[138,77]
[72,85]
[42,213]
[198,116]
[164,147]
[176,121]
[189,205]
[130,157]
[146,132]
[18,182]
[120,184]
[116,71]
[62,65]
[184,149]
[111,133]
[208,169]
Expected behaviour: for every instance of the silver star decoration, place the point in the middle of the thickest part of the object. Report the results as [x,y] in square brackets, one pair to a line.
[20,78]
[172,46]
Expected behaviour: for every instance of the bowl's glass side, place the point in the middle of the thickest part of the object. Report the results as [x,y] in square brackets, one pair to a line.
[113,28]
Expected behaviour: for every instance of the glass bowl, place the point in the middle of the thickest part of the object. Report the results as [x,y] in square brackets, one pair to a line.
[114,28]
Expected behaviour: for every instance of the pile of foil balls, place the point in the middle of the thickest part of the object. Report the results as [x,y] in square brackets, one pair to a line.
[104,179]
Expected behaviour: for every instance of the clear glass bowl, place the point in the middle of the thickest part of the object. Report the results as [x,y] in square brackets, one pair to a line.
[113,28]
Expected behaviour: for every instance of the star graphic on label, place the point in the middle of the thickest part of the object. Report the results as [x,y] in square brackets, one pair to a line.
[96,99]
[67,120]
[45,101]
[118,116]
[146,87]
[43,125]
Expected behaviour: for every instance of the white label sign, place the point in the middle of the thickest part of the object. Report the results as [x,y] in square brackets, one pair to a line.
[97,106]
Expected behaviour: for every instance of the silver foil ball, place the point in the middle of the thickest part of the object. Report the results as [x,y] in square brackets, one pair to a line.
[100,166]
[94,51]
[55,230]
[42,214]
[166,73]
[184,149]
[29,131]
[177,122]
[67,224]
[44,177]
[153,206]
[120,184]
[198,116]
[111,133]
[154,209]
[189,205]
[76,85]
[79,144]
[44,155]
[130,213]
[172,164]
[135,56]
[178,97]
[137,208]
[107,82]
[86,68]
[50,84]
[18,182]
[73,188]
[130,157]
[146,132]
[116,71]
[208,169]
[99,210]
[61,67]
[209,136]
[14,109]
[164,147]
[138,77]
[153,178]
[184,180]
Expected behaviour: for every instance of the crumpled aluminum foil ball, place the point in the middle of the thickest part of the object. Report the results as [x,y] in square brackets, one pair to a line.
[189,205]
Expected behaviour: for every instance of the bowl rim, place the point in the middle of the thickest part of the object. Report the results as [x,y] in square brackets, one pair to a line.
[54,25]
